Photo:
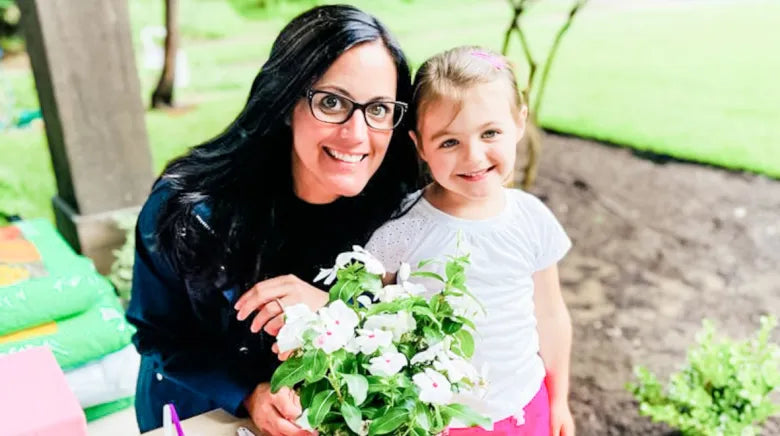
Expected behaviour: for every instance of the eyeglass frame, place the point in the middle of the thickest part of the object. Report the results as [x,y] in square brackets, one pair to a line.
[309,94]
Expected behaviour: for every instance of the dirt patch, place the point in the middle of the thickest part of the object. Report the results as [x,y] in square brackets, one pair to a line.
[657,247]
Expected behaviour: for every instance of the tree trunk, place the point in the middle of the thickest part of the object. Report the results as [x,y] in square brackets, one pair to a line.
[534,135]
[163,94]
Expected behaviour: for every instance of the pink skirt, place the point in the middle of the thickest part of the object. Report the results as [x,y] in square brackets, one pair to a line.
[537,421]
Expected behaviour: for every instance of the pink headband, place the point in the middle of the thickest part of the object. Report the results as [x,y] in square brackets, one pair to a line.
[496,61]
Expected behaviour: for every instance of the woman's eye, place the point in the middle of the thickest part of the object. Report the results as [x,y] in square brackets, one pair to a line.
[377,110]
[331,102]
[449,143]
[490,134]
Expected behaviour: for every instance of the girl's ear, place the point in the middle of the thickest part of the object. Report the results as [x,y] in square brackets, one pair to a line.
[417,144]
[522,120]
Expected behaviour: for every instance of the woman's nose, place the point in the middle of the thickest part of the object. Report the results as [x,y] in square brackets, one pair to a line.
[355,128]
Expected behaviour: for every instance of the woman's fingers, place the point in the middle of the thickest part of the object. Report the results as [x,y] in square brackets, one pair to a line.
[258,292]
[287,403]
[259,297]
[273,326]
[284,356]
[265,314]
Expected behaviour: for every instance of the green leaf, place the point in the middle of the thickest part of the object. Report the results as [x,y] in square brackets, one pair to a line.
[352,417]
[389,307]
[428,274]
[426,312]
[465,414]
[320,407]
[465,343]
[370,412]
[422,263]
[335,291]
[432,335]
[309,390]
[450,326]
[419,431]
[458,281]
[349,290]
[466,321]
[377,384]
[370,282]
[389,421]
[357,385]
[316,363]
[421,415]
[288,374]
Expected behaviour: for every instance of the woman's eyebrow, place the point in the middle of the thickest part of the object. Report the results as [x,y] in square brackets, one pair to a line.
[346,93]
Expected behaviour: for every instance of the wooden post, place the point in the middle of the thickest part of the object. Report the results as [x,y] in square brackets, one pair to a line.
[82,58]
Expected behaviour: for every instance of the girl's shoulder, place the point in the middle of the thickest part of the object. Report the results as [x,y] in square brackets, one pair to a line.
[527,204]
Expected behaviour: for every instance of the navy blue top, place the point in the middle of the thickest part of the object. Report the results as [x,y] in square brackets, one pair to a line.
[194,353]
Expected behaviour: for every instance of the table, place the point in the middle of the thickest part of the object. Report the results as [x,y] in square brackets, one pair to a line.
[213,423]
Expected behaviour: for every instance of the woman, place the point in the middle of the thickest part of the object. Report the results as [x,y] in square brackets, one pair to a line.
[309,168]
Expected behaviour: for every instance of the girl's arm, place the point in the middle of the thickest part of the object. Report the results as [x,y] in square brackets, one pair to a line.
[555,332]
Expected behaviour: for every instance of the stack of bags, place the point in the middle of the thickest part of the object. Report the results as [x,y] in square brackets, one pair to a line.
[50,296]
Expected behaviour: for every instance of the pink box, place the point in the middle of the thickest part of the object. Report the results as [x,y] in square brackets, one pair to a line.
[35,398]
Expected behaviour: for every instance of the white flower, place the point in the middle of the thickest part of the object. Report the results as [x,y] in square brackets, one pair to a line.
[338,316]
[430,354]
[398,323]
[465,306]
[365,301]
[370,340]
[404,271]
[456,368]
[352,346]
[390,293]
[414,288]
[298,318]
[303,421]
[372,264]
[388,364]
[330,340]
[337,327]
[434,387]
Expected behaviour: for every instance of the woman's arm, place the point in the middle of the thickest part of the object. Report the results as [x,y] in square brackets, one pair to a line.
[168,332]
[555,337]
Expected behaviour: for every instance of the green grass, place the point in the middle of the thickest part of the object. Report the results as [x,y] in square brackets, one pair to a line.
[696,82]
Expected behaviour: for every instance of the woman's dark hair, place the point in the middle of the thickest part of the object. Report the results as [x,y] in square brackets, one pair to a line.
[244,173]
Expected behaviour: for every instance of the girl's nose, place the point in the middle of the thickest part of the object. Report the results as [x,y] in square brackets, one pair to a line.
[475,151]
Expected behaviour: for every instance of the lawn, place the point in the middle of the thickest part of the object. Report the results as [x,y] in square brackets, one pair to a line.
[696,80]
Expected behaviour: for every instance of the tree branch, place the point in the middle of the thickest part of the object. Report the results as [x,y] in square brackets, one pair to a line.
[551,56]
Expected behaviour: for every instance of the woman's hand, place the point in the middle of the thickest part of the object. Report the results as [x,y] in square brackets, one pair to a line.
[274,413]
[561,421]
[265,298]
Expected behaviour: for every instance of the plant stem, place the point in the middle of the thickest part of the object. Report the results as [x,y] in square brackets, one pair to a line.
[333,382]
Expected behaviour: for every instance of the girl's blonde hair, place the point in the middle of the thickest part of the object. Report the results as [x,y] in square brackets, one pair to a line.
[451,73]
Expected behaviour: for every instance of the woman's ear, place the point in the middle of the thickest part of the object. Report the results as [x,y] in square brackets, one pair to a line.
[417,144]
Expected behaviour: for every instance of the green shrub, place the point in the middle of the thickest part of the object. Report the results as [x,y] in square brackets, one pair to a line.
[724,388]
[11,40]
[121,274]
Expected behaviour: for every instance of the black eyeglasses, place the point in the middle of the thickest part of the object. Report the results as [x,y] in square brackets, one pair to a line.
[337,109]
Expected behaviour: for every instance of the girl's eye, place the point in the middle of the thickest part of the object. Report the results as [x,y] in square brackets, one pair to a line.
[449,143]
[490,134]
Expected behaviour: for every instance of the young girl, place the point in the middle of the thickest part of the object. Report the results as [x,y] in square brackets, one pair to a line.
[469,118]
